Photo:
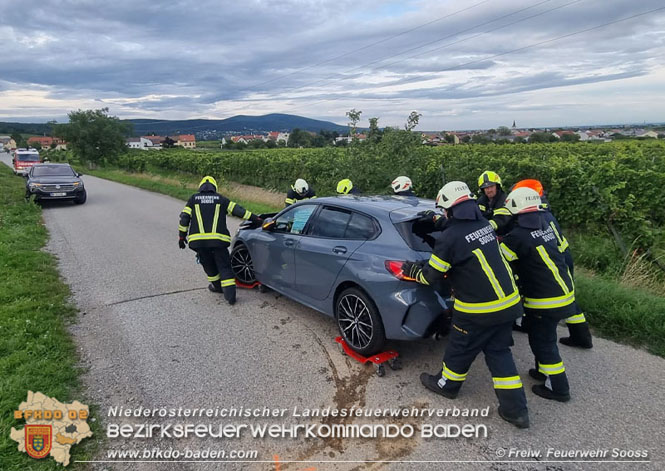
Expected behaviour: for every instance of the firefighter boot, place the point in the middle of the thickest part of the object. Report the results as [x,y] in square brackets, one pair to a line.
[440,385]
[537,375]
[555,388]
[215,286]
[580,336]
[230,294]
[520,421]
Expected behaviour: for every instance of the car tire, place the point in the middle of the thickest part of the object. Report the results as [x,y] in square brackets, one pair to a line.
[81,198]
[241,264]
[359,321]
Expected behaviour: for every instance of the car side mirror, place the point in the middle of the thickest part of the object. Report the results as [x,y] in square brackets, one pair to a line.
[79,174]
[269,225]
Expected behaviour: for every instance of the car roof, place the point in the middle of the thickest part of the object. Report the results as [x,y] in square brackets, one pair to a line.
[399,207]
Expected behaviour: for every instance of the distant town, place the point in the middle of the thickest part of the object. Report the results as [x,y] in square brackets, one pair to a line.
[300,138]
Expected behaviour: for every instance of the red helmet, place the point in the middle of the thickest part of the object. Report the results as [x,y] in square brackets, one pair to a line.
[530,183]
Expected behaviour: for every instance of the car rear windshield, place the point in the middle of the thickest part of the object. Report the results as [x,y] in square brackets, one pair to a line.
[59,171]
[31,157]
[417,235]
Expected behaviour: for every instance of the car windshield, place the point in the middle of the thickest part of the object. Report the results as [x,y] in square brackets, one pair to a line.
[31,157]
[53,171]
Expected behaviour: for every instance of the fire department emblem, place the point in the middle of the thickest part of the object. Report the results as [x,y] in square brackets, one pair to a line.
[38,440]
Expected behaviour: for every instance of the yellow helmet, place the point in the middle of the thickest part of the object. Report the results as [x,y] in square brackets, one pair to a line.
[208,179]
[344,186]
[488,178]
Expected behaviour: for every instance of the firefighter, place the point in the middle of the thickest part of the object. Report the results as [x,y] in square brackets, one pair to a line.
[345,187]
[486,302]
[547,285]
[300,190]
[493,196]
[402,186]
[204,217]
[578,328]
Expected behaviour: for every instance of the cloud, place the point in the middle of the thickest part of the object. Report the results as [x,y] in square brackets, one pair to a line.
[189,59]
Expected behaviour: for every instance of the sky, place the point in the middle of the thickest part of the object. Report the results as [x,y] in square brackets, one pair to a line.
[473,64]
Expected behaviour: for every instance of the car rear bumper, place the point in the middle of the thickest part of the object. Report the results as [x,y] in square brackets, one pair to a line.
[410,311]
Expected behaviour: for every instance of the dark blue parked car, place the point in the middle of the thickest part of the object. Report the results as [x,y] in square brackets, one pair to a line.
[342,256]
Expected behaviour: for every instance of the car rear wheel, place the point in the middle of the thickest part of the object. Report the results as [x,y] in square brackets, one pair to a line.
[359,321]
[80,199]
[241,264]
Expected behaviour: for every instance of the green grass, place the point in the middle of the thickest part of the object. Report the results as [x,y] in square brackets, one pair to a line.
[622,314]
[183,189]
[36,351]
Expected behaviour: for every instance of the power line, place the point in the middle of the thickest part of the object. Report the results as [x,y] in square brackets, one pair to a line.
[371,44]
[331,81]
[540,43]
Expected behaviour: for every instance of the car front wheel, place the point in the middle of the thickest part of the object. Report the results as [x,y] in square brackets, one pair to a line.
[80,199]
[359,321]
[241,264]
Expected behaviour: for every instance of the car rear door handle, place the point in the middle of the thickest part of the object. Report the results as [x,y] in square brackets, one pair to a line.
[289,242]
[339,249]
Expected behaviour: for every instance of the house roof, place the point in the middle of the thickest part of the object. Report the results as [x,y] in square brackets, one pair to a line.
[187,138]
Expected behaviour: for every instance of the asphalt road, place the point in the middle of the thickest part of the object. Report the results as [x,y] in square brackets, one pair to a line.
[151,335]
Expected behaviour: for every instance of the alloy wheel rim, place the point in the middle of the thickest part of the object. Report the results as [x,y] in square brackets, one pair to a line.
[241,264]
[355,321]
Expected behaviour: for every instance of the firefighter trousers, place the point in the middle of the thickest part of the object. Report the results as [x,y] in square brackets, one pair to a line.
[217,265]
[542,339]
[466,340]
[577,324]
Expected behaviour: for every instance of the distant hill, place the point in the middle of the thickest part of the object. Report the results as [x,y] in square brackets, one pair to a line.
[25,128]
[235,125]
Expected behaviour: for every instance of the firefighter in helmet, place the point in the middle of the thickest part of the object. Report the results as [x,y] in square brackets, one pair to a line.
[486,302]
[492,196]
[547,286]
[402,186]
[300,190]
[345,187]
[203,227]
[578,327]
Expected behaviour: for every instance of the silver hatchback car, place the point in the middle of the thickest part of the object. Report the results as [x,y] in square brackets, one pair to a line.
[343,256]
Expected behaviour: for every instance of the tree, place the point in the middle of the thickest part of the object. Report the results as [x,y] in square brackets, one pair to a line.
[542,137]
[374,134]
[271,144]
[503,131]
[168,143]
[256,144]
[93,135]
[479,139]
[36,145]
[570,138]
[20,140]
[412,121]
[299,138]
[354,117]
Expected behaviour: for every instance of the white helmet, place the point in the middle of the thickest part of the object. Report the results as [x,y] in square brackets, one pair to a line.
[300,186]
[453,193]
[401,184]
[523,200]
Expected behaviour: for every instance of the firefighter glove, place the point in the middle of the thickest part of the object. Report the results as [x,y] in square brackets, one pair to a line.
[182,243]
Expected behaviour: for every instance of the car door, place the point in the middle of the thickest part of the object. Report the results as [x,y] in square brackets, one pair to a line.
[274,257]
[331,239]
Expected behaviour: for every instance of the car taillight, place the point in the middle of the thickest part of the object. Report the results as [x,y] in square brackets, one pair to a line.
[395,269]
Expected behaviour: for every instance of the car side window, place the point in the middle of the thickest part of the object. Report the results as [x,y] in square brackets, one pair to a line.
[294,220]
[360,227]
[331,222]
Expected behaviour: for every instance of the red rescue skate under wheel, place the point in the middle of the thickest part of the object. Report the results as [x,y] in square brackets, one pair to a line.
[246,286]
[378,359]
